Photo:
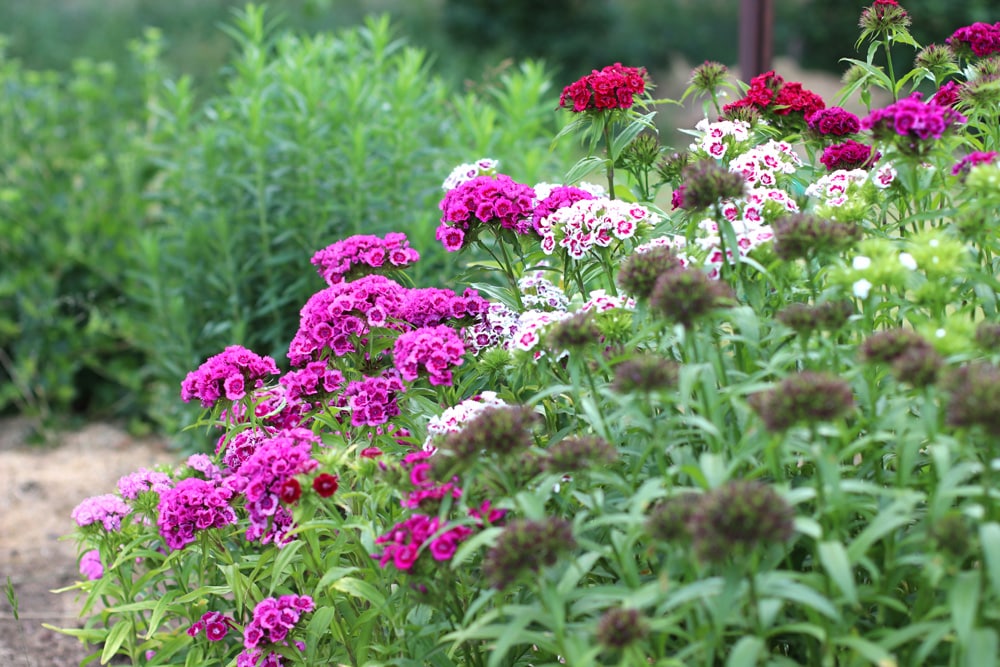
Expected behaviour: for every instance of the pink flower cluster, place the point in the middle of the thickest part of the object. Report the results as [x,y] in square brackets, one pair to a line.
[215,624]
[341,316]
[485,200]
[436,349]
[539,292]
[769,93]
[589,223]
[107,510]
[762,164]
[947,95]
[273,619]
[315,378]
[141,481]
[559,197]
[973,159]
[983,39]
[494,327]
[237,447]
[360,254]
[721,137]
[613,87]
[835,121]
[430,306]
[229,374]
[372,400]
[90,565]
[848,154]
[402,544]
[262,477]
[271,407]
[912,119]
[192,505]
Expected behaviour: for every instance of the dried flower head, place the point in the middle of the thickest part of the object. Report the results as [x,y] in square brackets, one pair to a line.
[886,346]
[573,333]
[826,316]
[500,430]
[988,335]
[639,271]
[685,294]
[668,519]
[736,518]
[802,235]
[619,627]
[883,17]
[707,77]
[645,373]
[975,397]
[525,546]
[706,183]
[951,534]
[938,60]
[808,396]
[579,453]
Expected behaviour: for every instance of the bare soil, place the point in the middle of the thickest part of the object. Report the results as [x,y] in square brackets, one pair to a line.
[39,487]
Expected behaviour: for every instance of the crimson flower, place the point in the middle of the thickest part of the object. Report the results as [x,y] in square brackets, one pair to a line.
[325,484]
[290,491]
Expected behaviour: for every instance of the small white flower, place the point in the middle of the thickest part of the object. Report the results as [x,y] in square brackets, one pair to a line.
[861,263]
[934,243]
[940,333]
[906,259]
[862,288]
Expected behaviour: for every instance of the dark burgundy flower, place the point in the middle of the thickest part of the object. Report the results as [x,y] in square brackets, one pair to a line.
[848,155]
[834,121]
[325,484]
[290,491]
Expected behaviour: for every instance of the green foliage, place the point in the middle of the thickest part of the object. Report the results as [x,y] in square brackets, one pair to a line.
[71,201]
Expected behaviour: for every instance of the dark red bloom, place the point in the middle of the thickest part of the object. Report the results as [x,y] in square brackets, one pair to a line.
[290,491]
[946,95]
[325,484]
[794,98]
[371,453]
[834,121]
[613,87]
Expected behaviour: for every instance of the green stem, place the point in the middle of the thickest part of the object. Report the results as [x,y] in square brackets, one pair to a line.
[611,159]
[888,59]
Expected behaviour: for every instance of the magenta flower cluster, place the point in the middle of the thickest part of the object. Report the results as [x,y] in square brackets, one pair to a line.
[485,200]
[372,400]
[983,39]
[107,510]
[402,544]
[237,447]
[215,624]
[192,505]
[973,159]
[848,155]
[613,87]
[262,476]
[432,349]
[90,565]
[230,374]
[560,197]
[430,306]
[315,378]
[834,121]
[912,119]
[273,619]
[356,255]
[141,481]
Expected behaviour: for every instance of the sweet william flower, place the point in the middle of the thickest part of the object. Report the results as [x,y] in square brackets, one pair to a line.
[325,484]
[613,87]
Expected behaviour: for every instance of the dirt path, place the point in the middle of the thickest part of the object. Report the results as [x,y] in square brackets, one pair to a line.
[39,487]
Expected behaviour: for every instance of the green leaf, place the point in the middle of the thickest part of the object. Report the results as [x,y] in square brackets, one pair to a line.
[746,652]
[119,633]
[989,537]
[963,601]
[585,166]
[981,649]
[834,558]
[868,650]
[628,135]
[360,589]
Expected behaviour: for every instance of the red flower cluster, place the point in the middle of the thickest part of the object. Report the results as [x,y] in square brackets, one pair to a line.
[770,94]
[982,39]
[614,87]
[848,155]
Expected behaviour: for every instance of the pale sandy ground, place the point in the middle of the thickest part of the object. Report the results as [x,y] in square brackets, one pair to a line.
[39,487]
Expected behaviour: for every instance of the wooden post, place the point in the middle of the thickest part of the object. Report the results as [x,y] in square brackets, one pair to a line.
[756,37]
